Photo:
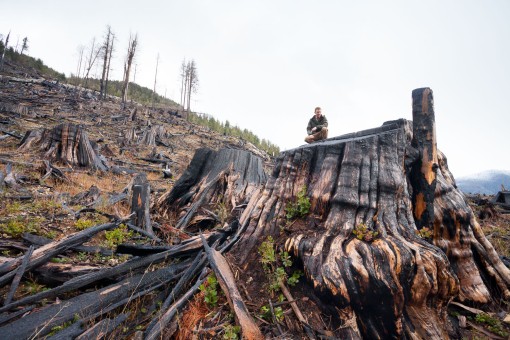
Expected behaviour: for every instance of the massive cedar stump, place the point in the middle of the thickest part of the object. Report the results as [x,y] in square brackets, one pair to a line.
[66,143]
[396,283]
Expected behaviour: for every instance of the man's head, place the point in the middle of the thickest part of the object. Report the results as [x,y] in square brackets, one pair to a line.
[318,112]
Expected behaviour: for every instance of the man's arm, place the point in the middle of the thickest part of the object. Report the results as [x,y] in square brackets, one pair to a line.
[324,122]
[309,127]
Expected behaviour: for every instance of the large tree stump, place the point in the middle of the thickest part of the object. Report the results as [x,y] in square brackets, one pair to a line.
[214,181]
[152,134]
[396,284]
[66,143]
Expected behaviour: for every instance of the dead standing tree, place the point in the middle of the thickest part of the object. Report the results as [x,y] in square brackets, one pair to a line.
[189,83]
[363,246]
[2,57]
[133,42]
[107,54]
[94,53]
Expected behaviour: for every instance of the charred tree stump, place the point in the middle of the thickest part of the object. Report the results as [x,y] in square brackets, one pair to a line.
[140,202]
[214,179]
[130,135]
[67,143]
[361,245]
[150,135]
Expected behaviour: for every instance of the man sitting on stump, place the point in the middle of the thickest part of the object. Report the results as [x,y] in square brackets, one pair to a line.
[317,127]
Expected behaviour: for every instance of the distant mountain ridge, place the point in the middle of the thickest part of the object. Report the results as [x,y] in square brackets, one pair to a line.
[487,182]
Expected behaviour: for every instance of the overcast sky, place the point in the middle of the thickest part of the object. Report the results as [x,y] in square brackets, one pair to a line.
[264,65]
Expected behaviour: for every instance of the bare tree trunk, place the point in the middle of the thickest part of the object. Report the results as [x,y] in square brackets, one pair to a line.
[133,41]
[183,81]
[155,80]
[91,60]
[106,51]
[186,86]
[5,49]
[140,202]
[81,49]
[108,68]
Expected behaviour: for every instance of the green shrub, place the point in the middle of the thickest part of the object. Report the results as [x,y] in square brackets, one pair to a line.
[274,265]
[56,329]
[299,208]
[231,332]
[494,325]
[117,236]
[210,291]
[15,227]
[265,313]
[364,233]
[84,223]
[425,233]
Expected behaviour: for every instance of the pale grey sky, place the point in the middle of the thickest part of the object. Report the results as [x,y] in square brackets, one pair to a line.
[264,65]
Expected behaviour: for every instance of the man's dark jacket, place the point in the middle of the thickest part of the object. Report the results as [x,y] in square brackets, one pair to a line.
[318,123]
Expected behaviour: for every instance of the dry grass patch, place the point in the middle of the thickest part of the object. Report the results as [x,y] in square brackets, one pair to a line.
[81,181]
[498,233]
[192,316]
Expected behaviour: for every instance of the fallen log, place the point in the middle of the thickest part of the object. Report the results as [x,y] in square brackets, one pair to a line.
[143,232]
[103,328]
[45,253]
[155,331]
[41,241]
[12,134]
[68,333]
[107,273]
[17,278]
[226,279]
[4,318]
[40,322]
[54,274]
[54,172]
